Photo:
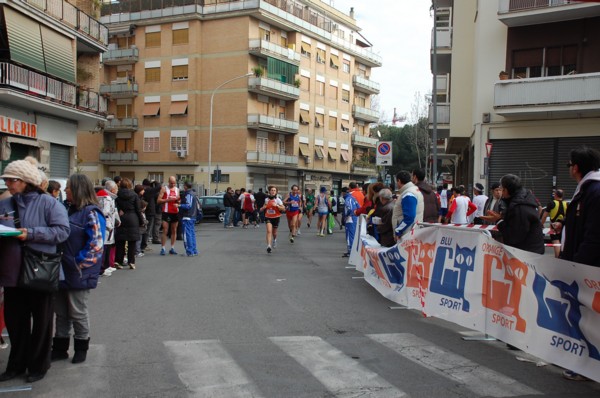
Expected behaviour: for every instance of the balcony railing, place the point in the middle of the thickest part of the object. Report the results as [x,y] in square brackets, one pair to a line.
[533,12]
[365,85]
[265,48]
[363,168]
[122,56]
[273,88]
[73,17]
[124,124]
[271,158]
[573,94]
[362,141]
[39,85]
[118,156]
[443,113]
[365,114]
[120,90]
[274,124]
[443,39]
[520,5]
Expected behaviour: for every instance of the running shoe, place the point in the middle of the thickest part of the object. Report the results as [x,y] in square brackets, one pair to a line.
[163,251]
[291,239]
[570,375]
[141,254]
[298,233]
[269,249]
[274,243]
[118,266]
[172,251]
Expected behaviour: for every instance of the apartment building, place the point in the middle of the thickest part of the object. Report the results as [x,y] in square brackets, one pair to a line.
[526,120]
[49,66]
[254,92]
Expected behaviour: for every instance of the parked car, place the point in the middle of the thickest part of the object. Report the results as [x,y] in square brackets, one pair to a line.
[212,206]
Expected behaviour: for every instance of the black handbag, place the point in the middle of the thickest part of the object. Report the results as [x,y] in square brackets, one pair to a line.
[39,270]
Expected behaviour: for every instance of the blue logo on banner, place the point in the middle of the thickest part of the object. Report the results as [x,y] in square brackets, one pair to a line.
[561,316]
[451,281]
[392,262]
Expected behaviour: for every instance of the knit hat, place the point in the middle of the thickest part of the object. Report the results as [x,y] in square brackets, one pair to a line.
[25,170]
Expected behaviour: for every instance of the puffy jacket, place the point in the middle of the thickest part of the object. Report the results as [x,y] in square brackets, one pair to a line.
[431,206]
[521,226]
[82,254]
[398,217]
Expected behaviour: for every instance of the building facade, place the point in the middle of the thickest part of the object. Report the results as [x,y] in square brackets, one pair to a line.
[49,67]
[518,88]
[255,92]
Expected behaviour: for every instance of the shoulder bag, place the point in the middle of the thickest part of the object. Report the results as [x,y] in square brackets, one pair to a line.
[39,270]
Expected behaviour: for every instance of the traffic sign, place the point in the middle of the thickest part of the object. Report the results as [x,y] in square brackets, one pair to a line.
[384,153]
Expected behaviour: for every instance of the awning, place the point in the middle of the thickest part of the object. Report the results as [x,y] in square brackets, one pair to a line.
[306,47]
[332,154]
[304,151]
[151,109]
[334,61]
[345,155]
[58,54]
[304,117]
[178,108]
[345,127]
[319,152]
[24,39]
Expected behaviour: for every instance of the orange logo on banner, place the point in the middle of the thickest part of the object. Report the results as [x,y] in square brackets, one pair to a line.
[504,295]
[596,302]
[420,258]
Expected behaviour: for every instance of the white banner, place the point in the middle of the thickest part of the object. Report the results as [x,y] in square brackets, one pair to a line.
[542,305]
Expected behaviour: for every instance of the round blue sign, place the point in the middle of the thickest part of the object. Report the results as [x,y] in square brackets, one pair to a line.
[384,148]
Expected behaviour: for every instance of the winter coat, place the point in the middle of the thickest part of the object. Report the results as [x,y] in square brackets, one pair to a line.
[405,195]
[581,226]
[128,203]
[521,226]
[47,226]
[82,255]
[110,212]
[431,208]
[385,229]
[150,196]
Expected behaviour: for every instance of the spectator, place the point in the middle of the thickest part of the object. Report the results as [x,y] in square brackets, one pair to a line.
[237,212]
[229,203]
[382,218]
[479,200]
[444,196]
[260,201]
[54,189]
[357,193]
[106,200]
[128,232]
[431,209]
[81,263]
[556,209]
[142,244]
[408,209]
[151,192]
[350,206]
[189,212]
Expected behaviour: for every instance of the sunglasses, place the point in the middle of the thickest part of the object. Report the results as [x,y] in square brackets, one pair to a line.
[11,179]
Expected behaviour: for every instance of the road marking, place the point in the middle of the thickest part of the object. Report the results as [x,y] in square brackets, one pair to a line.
[475,377]
[207,370]
[340,374]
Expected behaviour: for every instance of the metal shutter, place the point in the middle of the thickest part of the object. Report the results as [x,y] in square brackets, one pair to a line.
[60,161]
[565,145]
[531,159]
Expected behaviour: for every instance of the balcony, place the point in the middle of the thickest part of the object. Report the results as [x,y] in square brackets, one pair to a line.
[366,114]
[271,158]
[364,142]
[549,97]
[119,89]
[264,49]
[273,124]
[129,124]
[123,56]
[443,119]
[38,92]
[532,12]
[363,167]
[90,32]
[362,54]
[118,156]
[273,88]
[443,49]
[365,85]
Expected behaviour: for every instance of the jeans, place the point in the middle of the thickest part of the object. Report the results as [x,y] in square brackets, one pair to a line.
[226,220]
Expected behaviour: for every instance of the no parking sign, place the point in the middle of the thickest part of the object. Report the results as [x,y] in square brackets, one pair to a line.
[384,153]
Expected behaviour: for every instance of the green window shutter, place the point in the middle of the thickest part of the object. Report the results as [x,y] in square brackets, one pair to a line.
[59,55]
[24,40]
[281,71]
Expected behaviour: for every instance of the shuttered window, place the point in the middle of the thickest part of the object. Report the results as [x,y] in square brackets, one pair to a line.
[24,39]
[180,72]
[60,161]
[152,75]
[181,36]
[281,71]
[59,55]
[332,123]
[152,39]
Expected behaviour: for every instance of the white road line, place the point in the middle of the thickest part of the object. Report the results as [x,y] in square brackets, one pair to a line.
[207,370]
[475,377]
[340,374]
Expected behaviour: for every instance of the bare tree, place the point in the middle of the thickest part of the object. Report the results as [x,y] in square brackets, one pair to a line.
[420,135]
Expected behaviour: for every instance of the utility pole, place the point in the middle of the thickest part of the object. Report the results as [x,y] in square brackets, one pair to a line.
[434,95]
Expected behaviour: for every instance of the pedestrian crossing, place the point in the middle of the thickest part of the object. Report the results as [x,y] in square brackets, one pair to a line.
[208,368]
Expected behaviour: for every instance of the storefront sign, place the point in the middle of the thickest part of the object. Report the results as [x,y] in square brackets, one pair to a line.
[18,127]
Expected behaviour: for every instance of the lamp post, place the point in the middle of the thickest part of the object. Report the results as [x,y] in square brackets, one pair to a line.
[210,127]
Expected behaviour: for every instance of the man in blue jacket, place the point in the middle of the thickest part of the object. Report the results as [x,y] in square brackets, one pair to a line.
[188,210]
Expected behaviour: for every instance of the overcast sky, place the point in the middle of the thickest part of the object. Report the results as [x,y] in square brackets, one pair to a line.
[400,31]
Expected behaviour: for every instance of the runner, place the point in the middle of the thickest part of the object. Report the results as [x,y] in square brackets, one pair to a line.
[272,209]
[310,205]
[292,202]
[323,208]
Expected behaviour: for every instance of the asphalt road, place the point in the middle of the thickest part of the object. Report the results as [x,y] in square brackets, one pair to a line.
[238,322]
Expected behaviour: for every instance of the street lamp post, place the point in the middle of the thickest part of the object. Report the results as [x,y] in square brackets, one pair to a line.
[210,127]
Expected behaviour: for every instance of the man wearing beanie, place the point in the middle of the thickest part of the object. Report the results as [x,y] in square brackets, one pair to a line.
[43,223]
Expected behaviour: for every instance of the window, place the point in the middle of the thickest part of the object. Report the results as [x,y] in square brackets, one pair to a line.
[152,144]
[178,108]
[222,178]
[305,83]
[283,41]
[185,177]
[320,56]
[152,75]
[319,152]
[360,100]
[333,92]
[548,61]
[346,66]
[304,117]
[304,151]
[179,141]
[319,120]
[332,123]
[334,62]
[346,96]
[155,176]
[332,152]
[345,127]
[321,88]
[122,73]
[181,36]
[281,147]
[152,39]
[281,71]
[345,155]
[151,109]
[305,49]
[261,144]
[122,111]
[180,72]
[264,34]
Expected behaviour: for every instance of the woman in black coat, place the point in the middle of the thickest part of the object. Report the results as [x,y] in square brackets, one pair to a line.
[128,203]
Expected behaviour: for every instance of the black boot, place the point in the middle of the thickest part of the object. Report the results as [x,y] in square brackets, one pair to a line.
[60,346]
[81,349]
